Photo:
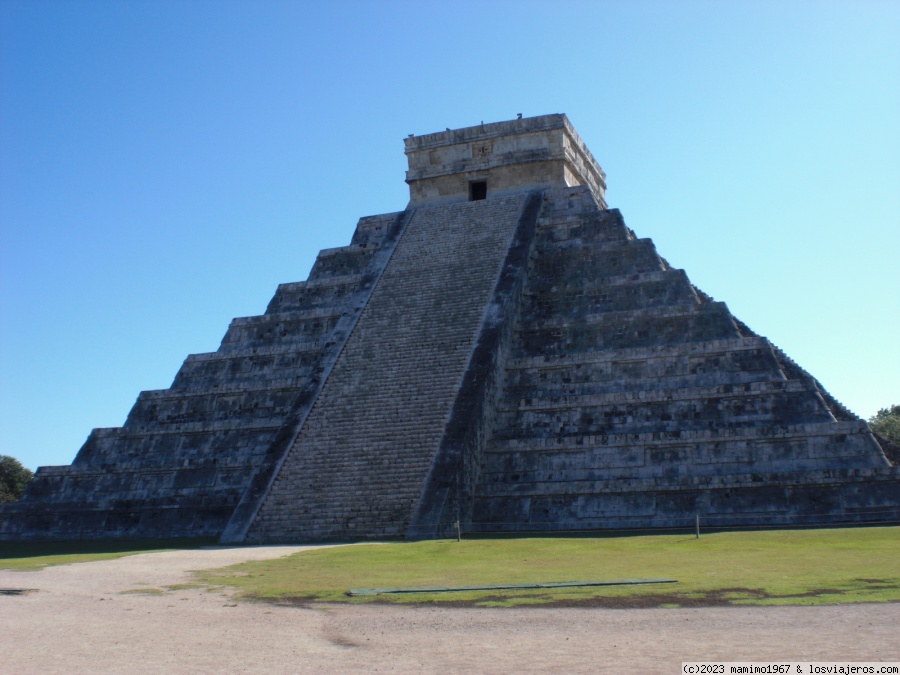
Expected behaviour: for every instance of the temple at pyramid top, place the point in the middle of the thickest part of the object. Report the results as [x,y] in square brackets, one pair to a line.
[501,158]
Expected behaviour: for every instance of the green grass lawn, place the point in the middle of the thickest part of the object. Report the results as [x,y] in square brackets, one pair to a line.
[31,556]
[758,568]
[766,567]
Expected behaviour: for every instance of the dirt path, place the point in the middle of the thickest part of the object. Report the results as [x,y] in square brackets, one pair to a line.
[80,621]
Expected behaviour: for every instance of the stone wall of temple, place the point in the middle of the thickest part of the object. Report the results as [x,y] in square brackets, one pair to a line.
[505,353]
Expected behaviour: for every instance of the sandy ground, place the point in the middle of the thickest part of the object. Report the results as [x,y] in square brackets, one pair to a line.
[79,621]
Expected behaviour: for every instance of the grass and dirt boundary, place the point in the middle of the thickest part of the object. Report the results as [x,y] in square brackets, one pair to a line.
[770,567]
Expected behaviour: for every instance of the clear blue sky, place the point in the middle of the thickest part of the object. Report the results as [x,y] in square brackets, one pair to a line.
[164,165]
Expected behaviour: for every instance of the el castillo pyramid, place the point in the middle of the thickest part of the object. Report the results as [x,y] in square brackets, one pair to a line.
[504,352]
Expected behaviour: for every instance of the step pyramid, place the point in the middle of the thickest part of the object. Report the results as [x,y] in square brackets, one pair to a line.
[505,353]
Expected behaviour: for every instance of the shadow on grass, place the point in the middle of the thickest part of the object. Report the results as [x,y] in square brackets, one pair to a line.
[723,597]
[36,549]
[720,597]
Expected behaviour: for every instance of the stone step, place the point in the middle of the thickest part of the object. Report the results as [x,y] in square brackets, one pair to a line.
[731,411]
[575,228]
[587,488]
[594,285]
[677,437]
[568,201]
[616,330]
[630,316]
[131,482]
[587,261]
[577,383]
[648,397]
[167,406]
[286,349]
[145,518]
[322,293]
[597,297]
[840,495]
[239,374]
[513,473]
[274,320]
[164,444]
[269,329]
[374,229]
[323,283]
[237,424]
[296,337]
[261,385]
[664,353]
[806,473]
[342,260]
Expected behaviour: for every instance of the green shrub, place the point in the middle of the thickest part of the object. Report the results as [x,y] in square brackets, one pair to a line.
[14,478]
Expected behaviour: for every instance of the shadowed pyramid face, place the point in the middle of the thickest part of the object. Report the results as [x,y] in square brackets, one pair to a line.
[506,353]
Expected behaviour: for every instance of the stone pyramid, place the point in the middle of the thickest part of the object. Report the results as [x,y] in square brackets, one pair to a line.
[504,352]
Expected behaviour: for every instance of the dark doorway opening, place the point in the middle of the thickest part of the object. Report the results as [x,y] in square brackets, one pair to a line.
[477,190]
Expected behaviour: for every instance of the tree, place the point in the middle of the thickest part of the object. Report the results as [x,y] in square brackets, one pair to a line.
[886,423]
[13,478]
